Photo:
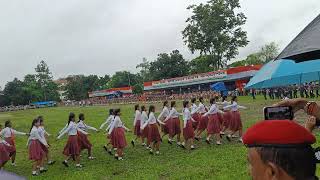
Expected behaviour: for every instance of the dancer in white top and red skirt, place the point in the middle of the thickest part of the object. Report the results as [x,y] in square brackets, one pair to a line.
[137,124]
[44,134]
[9,136]
[145,131]
[226,116]
[214,125]
[153,131]
[83,140]
[36,151]
[235,122]
[4,153]
[203,123]
[72,148]
[118,138]
[194,113]
[188,131]
[174,124]
[162,116]
[108,122]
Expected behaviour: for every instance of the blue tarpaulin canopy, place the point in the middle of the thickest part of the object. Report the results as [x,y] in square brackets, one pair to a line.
[44,103]
[285,72]
[219,87]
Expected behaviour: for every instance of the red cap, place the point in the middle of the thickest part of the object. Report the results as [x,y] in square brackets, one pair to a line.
[277,133]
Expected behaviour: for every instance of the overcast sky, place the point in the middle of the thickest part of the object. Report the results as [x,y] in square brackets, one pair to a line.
[104,36]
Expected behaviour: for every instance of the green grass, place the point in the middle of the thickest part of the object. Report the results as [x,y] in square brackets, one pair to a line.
[206,162]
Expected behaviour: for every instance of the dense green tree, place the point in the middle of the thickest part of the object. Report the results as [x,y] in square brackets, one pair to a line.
[14,93]
[215,29]
[169,66]
[269,52]
[201,64]
[137,89]
[123,79]
[144,68]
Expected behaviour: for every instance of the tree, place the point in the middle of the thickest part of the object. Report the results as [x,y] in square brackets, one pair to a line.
[214,29]
[201,64]
[123,79]
[15,93]
[45,82]
[137,89]
[169,66]
[269,52]
[144,68]
[75,89]
[252,59]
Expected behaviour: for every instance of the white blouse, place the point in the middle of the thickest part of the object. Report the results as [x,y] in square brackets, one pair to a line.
[186,116]
[194,108]
[213,110]
[108,121]
[72,130]
[42,132]
[34,135]
[144,118]
[137,117]
[151,120]
[83,126]
[117,123]
[9,132]
[201,108]
[234,106]
[173,114]
[164,114]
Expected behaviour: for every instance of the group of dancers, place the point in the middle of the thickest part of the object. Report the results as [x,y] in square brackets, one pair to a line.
[218,119]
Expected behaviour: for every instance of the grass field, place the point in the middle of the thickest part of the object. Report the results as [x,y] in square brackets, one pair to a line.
[206,162]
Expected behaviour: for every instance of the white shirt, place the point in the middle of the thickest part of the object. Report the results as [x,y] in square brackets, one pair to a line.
[42,132]
[186,116]
[117,123]
[164,114]
[201,108]
[213,110]
[151,120]
[194,108]
[137,117]
[83,126]
[108,121]
[9,132]
[144,118]
[173,114]
[234,106]
[72,130]
[34,135]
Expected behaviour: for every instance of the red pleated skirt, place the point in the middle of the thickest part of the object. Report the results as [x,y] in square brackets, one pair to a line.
[137,130]
[4,154]
[235,123]
[166,127]
[119,138]
[227,119]
[214,126]
[203,123]
[44,148]
[176,126]
[220,116]
[110,138]
[72,147]
[11,148]
[188,131]
[196,117]
[145,132]
[153,133]
[36,152]
[83,141]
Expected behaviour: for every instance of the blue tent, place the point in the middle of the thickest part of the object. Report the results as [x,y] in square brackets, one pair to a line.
[44,103]
[285,72]
[219,87]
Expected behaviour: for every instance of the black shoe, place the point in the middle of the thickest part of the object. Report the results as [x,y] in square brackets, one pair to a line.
[151,152]
[51,162]
[65,164]
[105,148]
[170,142]
[207,141]
[110,152]
[36,174]
[221,135]
[132,142]
[197,139]
[183,147]
[43,170]
[116,157]
[228,138]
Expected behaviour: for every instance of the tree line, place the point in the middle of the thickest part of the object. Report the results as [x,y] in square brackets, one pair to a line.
[213,31]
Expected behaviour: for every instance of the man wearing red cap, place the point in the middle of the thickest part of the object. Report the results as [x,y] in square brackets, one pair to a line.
[280,150]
